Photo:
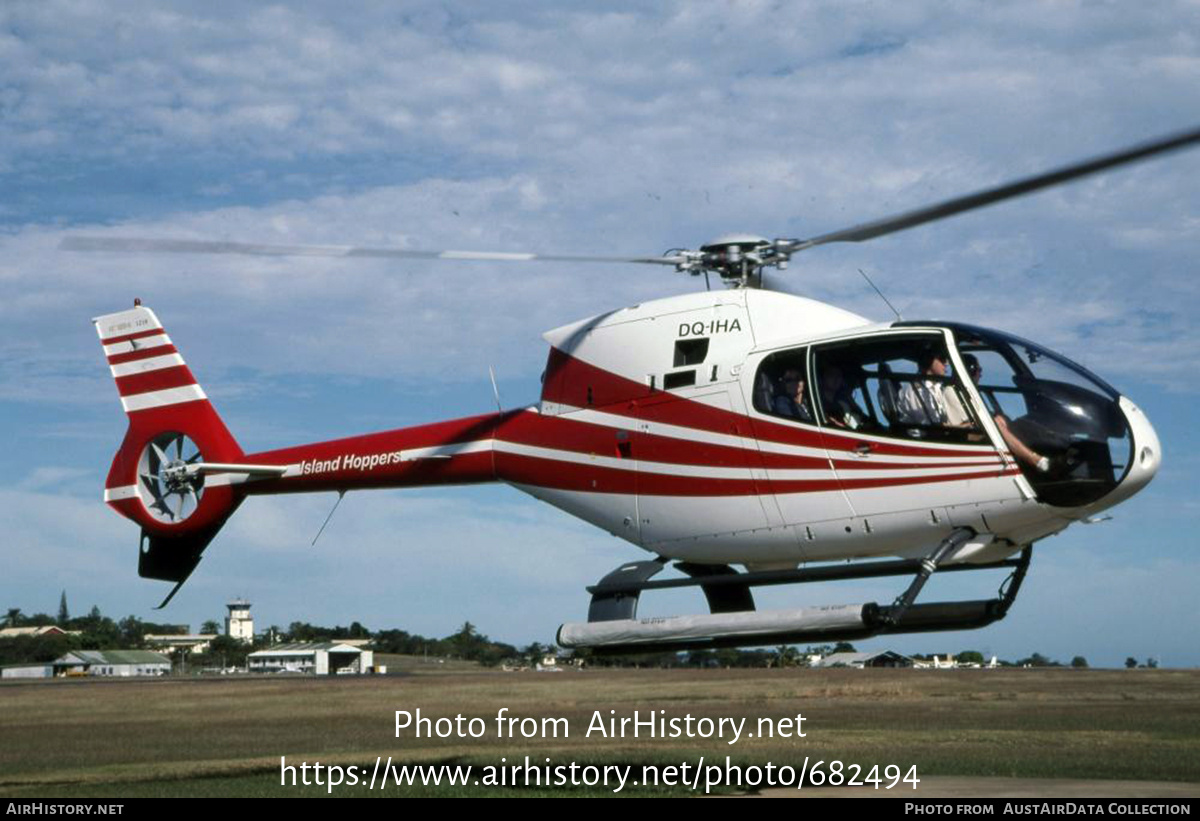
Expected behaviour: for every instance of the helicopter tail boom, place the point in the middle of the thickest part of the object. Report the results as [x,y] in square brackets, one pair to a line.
[180,474]
[452,452]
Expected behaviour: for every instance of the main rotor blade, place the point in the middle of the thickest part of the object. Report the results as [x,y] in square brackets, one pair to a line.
[920,216]
[193,246]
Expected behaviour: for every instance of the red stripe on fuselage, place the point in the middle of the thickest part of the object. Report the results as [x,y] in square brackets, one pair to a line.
[557,475]
[571,381]
[529,428]
[576,436]
[464,468]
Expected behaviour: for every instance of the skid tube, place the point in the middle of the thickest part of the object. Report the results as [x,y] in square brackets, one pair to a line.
[613,627]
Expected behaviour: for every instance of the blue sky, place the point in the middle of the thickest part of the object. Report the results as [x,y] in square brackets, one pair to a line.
[613,129]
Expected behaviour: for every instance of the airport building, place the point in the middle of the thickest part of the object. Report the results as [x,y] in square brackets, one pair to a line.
[120,663]
[169,643]
[883,658]
[318,658]
[32,670]
[239,624]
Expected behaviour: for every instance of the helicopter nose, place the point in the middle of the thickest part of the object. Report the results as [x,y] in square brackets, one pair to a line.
[1146,452]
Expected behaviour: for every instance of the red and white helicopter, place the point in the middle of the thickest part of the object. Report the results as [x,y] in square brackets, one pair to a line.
[730,427]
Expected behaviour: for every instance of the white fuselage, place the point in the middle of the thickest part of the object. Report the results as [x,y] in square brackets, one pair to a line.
[710,477]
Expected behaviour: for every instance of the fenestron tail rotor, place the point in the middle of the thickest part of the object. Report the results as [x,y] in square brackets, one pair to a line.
[169,490]
[739,260]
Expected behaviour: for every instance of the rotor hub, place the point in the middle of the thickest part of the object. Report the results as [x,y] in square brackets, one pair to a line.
[738,259]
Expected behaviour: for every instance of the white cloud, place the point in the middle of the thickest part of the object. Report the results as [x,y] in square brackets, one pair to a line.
[54,478]
[54,540]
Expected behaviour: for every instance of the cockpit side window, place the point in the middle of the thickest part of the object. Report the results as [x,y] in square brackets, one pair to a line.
[995,379]
[781,386]
[901,386]
[1062,424]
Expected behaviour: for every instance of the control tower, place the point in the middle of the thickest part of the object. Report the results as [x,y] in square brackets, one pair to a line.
[239,624]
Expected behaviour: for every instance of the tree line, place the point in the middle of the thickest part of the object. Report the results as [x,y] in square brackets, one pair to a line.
[96,631]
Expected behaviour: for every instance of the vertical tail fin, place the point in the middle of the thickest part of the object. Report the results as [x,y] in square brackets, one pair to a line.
[171,425]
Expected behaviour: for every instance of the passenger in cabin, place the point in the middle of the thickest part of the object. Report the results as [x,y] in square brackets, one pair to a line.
[837,399]
[789,400]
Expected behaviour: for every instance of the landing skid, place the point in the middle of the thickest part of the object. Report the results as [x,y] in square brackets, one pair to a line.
[613,627]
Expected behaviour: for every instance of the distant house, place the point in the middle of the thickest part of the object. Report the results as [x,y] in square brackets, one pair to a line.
[45,630]
[118,663]
[319,658]
[883,658]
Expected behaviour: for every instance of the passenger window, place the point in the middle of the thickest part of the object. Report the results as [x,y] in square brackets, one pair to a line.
[893,386]
[781,386]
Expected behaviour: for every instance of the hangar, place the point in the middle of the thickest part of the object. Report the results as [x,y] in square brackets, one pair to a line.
[319,658]
[112,663]
[882,658]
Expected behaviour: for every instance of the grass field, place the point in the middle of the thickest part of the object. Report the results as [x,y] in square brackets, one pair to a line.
[225,736]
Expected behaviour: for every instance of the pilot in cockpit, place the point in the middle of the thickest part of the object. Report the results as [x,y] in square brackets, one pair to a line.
[925,402]
[1019,449]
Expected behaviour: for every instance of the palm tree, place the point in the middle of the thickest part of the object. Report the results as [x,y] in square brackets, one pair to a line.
[786,656]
